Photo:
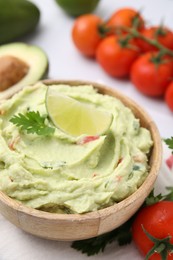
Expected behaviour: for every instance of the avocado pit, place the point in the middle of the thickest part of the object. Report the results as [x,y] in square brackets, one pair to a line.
[12,70]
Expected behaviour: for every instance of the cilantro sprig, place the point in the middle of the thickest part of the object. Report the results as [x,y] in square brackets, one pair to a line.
[152,198]
[169,142]
[32,122]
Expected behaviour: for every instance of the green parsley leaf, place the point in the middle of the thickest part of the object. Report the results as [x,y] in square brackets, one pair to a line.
[169,142]
[169,195]
[93,246]
[32,122]
[152,199]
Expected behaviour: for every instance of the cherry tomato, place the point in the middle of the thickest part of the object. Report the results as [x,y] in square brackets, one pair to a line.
[115,58]
[163,35]
[85,34]
[157,220]
[151,77]
[126,17]
[169,96]
[169,160]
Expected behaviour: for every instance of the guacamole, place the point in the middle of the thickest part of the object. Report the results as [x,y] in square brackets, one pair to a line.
[65,174]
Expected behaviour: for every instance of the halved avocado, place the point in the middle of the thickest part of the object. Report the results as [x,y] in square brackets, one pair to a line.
[20,65]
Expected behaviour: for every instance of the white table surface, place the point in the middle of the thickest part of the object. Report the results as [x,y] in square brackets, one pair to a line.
[54,36]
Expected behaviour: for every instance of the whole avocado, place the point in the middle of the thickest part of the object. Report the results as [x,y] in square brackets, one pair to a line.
[77,7]
[17,18]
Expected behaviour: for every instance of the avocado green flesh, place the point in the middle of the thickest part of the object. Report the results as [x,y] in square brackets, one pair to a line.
[63,174]
[33,56]
[17,18]
[78,7]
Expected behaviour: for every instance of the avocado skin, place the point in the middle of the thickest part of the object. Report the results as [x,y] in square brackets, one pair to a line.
[34,57]
[77,7]
[17,18]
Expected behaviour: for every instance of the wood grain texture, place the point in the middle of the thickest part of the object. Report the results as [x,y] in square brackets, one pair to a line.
[75,226]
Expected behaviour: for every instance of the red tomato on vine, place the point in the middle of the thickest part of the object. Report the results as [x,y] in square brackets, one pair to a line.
[169,96]
[163,35]
[152,231]
[116,56]
[151,74]
[127,17]
[85,34]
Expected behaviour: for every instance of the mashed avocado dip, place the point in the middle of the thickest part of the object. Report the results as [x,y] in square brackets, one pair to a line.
[65,174]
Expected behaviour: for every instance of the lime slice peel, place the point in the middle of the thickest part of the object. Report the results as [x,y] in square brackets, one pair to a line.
[76,118]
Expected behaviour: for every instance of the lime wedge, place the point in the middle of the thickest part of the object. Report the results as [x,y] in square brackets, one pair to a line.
[74,117]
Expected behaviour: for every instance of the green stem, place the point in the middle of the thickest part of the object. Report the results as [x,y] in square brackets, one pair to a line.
[161,246]
[153,42]
[136,34]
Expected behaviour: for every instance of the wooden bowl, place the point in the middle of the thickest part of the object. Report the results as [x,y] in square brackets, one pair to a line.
[81,226]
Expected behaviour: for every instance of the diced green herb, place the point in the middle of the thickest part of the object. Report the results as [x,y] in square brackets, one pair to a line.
[136,167]
[52,165]
[2,165]
[136,125]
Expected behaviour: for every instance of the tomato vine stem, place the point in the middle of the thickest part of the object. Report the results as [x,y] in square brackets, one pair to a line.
[133,32]
[161,246]
[153,42]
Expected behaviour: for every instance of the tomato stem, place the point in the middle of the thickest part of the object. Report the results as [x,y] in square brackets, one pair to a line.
[160,31]
[103,30]
[153,42]
[161,246]
[136,34]
[136,23]
[124,41]
[158,58]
